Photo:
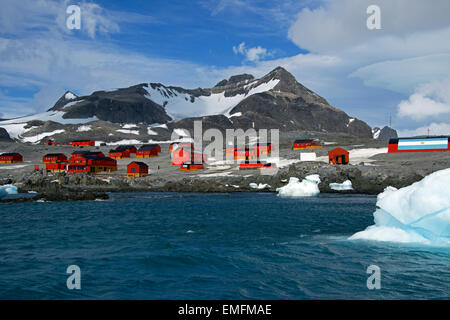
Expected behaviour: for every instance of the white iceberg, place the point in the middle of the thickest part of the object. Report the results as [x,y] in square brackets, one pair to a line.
[419,213]
[7,189]
[346,185]
[307,188]
[259,186]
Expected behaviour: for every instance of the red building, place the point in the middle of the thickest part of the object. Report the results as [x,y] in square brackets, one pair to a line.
[56,167]
[92,162]
[419,144]
[54,158]
[50,143]
[246,153]
[148,150]
[305,144]
[122,152]
[338,156]
[264,148]
[191,166]
[83,143]
[181,155]
[11,158]
[79,154]
[55,162]
[137,169]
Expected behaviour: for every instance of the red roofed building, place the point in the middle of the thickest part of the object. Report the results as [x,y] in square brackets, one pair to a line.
[11,158]
[137,169]
[148,150]
[92,163]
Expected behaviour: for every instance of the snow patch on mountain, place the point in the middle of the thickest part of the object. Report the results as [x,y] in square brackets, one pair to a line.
[181,105]
[16,127]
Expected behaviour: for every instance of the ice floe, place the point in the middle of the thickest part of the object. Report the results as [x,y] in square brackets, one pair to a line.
[346,185]
[308,187]
[417,213]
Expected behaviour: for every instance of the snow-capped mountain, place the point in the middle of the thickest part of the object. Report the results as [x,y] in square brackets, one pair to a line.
[275,100]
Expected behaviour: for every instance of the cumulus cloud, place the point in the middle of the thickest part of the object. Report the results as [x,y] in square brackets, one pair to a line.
[429,100]
[434,129]
[254,54]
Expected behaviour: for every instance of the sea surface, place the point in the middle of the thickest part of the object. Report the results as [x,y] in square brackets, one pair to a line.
[209,246]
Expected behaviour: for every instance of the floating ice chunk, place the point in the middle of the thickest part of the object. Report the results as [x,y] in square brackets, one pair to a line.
[307,188]
[7,189]
[259,186]
[416,213]
[346,185]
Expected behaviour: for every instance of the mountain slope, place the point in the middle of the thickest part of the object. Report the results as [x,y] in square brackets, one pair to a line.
[275,100]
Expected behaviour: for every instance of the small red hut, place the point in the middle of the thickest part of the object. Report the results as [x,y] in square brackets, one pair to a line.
[137,169]
[50,143]
[11,158]
[338,156]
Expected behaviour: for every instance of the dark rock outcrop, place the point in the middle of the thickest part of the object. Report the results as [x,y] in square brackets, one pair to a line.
[4,136]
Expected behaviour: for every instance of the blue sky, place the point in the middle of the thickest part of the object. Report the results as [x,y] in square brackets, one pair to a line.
[402,70]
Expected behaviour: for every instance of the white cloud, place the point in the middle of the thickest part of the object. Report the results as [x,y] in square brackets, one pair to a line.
[251,54]
[434,129]
[429,100]
[342,23]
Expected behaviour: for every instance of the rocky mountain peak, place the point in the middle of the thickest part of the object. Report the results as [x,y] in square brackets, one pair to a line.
[68,96]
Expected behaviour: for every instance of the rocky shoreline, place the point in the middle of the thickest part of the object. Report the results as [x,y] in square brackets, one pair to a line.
[84,187]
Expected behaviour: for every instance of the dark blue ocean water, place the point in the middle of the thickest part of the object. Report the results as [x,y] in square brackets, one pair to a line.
[209,246]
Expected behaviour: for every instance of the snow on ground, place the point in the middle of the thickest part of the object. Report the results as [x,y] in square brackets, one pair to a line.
[419,213]
[39,137]
[307,188]
[181,105]
[359,155]
[18,166]
[346,185]
[217,174]
[259,186]
[129,126]
[128,131]
[329,143]
[125,141]
[84,128]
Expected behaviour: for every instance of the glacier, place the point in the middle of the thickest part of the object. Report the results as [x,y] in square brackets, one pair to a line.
[7,189]
[419,213]
[308,187]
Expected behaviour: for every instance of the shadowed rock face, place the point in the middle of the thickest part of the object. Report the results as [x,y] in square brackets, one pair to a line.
[4,136]
[387,133]
[287,106]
